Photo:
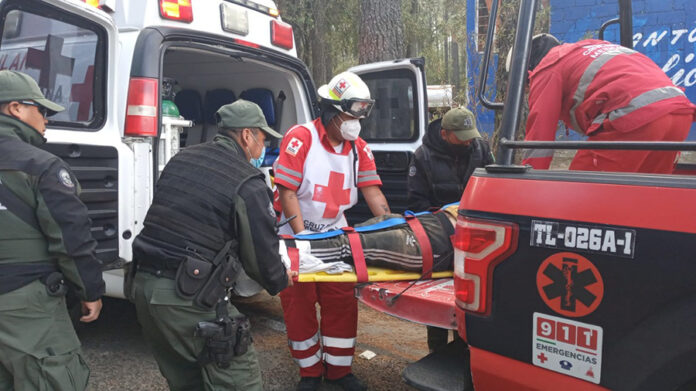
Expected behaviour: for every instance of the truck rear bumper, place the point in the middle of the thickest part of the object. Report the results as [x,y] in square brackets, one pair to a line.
[429,302]
[491,371]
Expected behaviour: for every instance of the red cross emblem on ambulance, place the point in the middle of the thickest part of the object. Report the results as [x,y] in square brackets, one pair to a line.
[333,195]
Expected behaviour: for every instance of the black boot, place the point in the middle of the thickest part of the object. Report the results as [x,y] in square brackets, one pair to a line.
[349,383]
[309,384]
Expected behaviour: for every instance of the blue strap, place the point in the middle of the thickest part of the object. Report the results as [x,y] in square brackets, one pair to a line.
[388,223]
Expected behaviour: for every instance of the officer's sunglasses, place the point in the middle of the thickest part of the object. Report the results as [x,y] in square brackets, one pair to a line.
[44,111]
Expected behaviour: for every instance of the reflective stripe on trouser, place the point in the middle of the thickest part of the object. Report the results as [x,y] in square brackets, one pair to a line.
[339,320]
[168,323]
[671,127]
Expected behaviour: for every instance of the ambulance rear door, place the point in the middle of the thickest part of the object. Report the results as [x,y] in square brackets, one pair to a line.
[68,48]
[395,127]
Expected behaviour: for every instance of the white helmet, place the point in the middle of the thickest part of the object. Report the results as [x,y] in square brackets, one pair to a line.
[349,94]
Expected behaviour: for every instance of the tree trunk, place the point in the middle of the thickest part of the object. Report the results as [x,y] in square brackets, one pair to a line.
[321,60]
[455,69]
[381,35]
[413,49]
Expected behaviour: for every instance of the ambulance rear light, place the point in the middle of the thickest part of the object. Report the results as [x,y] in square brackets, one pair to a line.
[479,245]
[281,34]
[178,10]
[141,108]
[247,43]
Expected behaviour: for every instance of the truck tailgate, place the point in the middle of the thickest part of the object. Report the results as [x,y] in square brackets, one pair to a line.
[429,302]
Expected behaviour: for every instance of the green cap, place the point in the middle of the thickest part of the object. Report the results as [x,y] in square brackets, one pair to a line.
[243,114]
[15,86]
[462,123]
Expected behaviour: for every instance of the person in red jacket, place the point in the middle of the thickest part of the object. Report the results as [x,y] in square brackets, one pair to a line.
[606,92]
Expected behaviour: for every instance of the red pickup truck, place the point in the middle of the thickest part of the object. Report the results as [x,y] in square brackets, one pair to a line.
[566,280]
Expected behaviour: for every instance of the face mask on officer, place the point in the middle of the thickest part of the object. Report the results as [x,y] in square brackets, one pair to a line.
[256,162]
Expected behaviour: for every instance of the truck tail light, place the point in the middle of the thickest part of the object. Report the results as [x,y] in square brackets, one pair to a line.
[141,108]
[479,245]
[281,34]
[93,3]
[179,10]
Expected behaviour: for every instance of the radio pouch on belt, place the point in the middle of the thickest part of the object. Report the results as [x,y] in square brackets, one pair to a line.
[191,275]
[55,284]
[222,278]
[206,282]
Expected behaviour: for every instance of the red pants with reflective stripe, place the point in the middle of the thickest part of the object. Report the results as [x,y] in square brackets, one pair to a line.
[339,326]
[671,127]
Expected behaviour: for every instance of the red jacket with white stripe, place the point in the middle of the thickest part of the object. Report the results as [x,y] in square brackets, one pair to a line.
[595,84]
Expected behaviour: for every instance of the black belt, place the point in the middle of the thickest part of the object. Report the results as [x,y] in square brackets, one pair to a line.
[16,275]
[166,273]
[159,267]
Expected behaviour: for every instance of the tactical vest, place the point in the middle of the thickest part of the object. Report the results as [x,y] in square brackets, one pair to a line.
[193,206]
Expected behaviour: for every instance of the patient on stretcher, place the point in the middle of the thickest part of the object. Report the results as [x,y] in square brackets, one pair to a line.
[387,241]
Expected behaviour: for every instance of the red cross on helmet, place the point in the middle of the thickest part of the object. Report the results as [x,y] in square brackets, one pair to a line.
[349,94]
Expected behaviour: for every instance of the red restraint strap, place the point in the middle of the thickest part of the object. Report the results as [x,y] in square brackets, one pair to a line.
[424,242]
[357,251]
[294,254]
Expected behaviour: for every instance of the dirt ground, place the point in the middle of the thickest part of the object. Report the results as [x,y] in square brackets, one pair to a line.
[121,360]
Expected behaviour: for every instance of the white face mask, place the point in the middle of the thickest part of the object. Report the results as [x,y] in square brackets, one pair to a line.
[350,129]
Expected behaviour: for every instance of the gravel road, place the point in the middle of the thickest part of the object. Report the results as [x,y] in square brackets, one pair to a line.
[120,359]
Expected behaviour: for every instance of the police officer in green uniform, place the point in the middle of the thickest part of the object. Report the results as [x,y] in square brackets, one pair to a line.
[210,217]
[45,241]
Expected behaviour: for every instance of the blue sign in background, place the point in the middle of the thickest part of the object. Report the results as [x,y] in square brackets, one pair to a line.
[664,30]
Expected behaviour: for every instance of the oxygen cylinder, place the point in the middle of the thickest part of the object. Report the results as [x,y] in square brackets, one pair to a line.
[172,124]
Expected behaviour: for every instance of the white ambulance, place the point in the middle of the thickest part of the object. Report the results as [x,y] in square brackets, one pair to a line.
[105,60]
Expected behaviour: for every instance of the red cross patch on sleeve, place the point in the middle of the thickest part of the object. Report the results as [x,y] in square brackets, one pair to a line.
[294,146]
[368,152]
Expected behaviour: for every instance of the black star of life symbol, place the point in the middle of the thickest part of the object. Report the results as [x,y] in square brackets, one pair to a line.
[569,284]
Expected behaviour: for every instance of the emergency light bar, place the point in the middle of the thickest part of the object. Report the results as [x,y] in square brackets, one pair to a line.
[256,7]
[178,10]
[104,5]
[234,19]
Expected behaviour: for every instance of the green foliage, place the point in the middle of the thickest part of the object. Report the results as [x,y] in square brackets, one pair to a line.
[428,24]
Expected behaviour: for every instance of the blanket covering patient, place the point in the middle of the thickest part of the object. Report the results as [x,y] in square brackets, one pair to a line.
[387,241]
